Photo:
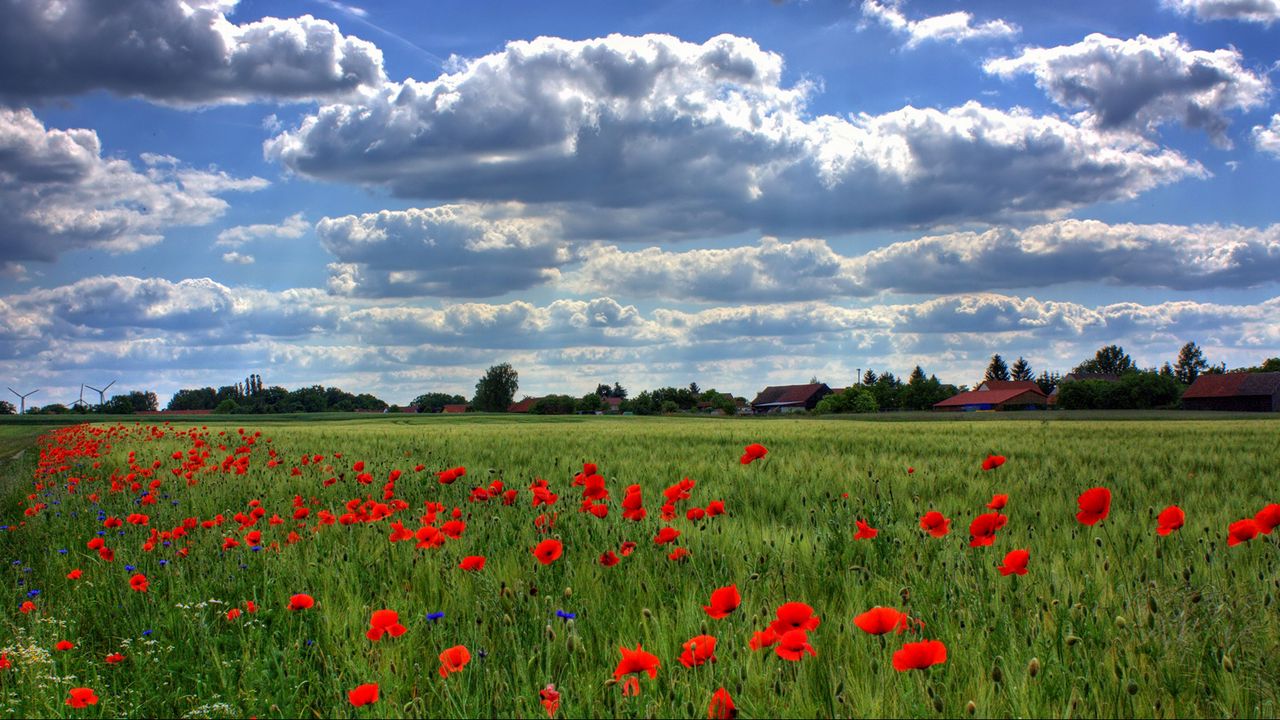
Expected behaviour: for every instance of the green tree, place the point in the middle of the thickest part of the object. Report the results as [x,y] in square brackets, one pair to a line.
[869,377]
[853,399]
[434,402]
[226,407]
[996,369]
[1190,364]
[1109,360]
[590,403]
[1021,370]
[554,405]
[204,398]
[495,391]
[1048,381]
[7,408]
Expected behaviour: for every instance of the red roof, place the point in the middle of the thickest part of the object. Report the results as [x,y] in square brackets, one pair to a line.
[997,385]
[1234,385]
[455,408]
[522,406]
[991,397]
[788,394]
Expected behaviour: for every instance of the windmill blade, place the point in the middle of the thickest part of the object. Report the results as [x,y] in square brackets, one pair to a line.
[113,382]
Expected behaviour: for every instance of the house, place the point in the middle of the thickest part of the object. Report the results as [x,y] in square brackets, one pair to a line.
[997,395]
[1249,392]
[789,398]
[613,405]
[523,406]
[455,408]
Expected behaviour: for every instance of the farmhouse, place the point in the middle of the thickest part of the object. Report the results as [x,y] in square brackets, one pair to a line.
[522,406]
[789,398]
[455,408]
[996,395]
[1249,392]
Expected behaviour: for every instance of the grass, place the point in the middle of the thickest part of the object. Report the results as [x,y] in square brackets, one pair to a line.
[1119,621]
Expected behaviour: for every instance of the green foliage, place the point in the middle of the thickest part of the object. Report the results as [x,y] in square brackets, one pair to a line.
[1134,391]
[1190,364]
[434,402]
[226,407]
[7,408]
[590,403]
[996,369]
[1021,370]
[274,399]
[1109,360]
[554,405]
[496,390]
[854,399]
[132,402]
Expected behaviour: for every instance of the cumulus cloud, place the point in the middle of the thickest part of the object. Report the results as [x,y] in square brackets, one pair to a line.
[452,250]
[292,227]
[1142,82]
[235,258]
[179,52]
[956,27]
[1267,137]
[58,193]
[685,137]
[1263,12]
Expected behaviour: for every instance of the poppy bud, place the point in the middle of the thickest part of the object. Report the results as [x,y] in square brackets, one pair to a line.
[1033,667]
[551,634]
[1195,596]
[1097,541]
[906,594]
[1072,640]
[970,708]
[568,592]
[572,644]
[1121,622]
[1132,688]
[937,703]
[1227,664]
[507,619]
[646,613]
[997,676]
[1151,604]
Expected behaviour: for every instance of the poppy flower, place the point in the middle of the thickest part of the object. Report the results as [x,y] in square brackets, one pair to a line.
[666,535]
[139,583]
[550,699]
[992,462]
[548,551]
[998,502]
[679,554]
[911,470]
[609,559]
[795,616]
[723,601]
[233,613]
[1267,518]
[114,658]
[793,644]
[81,697]
[636,662]
[1095,505]
[626,548]
[865,531]
[982,531]
[26,607]
[385,622]
[429,536]
[1170,519]
[919,655]
[74,574]
[881,620]
[752,452]
[472,563]
[1015,563]
[363,695]
[762,639]
[715,507]
[4,662]
[721,707]
[453,660]
[301,601]
[64,645]
[699,650]
[935,523]
[1242,531]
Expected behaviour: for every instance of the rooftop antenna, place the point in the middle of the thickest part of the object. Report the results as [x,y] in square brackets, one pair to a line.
[102,400]
[22,404]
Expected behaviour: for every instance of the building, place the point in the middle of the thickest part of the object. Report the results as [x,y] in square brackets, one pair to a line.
[523,406]
[789,398]
[613,405]
[997,395]
[1247,392]
[455,408]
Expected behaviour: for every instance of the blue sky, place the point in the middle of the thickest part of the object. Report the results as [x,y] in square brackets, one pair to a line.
[390,197]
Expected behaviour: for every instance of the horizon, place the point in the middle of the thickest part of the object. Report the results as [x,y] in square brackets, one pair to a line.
[390,199]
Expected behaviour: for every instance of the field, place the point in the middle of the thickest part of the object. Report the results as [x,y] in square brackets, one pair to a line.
[1110,619]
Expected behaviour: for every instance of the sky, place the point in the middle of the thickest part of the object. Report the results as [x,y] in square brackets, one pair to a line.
[391,197]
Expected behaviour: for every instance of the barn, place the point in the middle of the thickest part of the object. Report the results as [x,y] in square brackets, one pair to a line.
[1241,392]
[461,408]
[996,395]
[789,398]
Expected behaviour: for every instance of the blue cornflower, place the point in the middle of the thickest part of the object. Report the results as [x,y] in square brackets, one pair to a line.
[145,633]
[565,615]
[32,593]
[129,568]
[63,551]
[432,617]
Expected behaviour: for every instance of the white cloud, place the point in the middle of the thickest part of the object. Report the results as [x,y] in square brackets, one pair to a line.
[621,133]
[178,52]
[1267,137]
[956,27]
[292,227]
[58,193]
[1143,82]
[451,250]
[1263,12]
[235,258]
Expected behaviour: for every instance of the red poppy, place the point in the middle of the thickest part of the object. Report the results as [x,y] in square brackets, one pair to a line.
[301,601]
[1095,505]
[4,661]
[233,613]
[795,616]
[74,574]
[429,536]
[982,531]
[721,707]
[763,639]
[992,462]
[453,528]
[699,650]
[666,535]
[715,507]
[636,662]
[865,531]
[550,698]
[1268,518]
[723,601]
[385,622]
[911,470]
[363,695]
[139,583]
[1170,519]
[919,655]
[548,551]
[399,532]
[752,452]
[1015,563]
[679,554]
[998,502]
[453,660]
[81,697]
[472,563]
[609,559]
[793,644]
[114,658]
[626,548]
[1242,531]
[881,620]
[26,607]
[64,645]
[935,523]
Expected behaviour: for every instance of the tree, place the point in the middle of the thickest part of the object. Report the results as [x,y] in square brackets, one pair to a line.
[997,369]
[618,391]
[554,405]
[7,408]
[855,399]
[590,403]
[1048,381]
[1021,370]
[434,402]
[694,389]
[226,407]
[1190,364]
[869,377]
[205,398]
[495,391]
[1109,360]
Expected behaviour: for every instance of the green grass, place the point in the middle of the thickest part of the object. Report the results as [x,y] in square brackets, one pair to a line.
[1121,622]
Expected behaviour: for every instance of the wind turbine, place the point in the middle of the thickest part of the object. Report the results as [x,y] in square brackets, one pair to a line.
[23,399]
[102,399]
[80,403]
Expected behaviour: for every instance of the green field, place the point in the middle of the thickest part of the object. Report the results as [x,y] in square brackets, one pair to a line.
[1113,620]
